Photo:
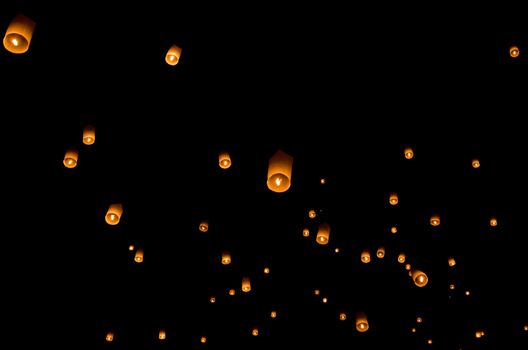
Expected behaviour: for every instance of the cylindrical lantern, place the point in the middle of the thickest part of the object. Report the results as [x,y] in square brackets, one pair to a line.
[408,152]
[273,314]
[139,256]
[109,336]
[204,226]
[162,335]
[246,285]
[279,172]
[342,316]
[419,277]
[393,198]
[317,292]
[475,163]
[407,266]
[451,286]
[173,55]
[113,215]
[306,232]
[361,322]
[266,270]
[203,339]
[224,160]
[365,256]
[212,300]
[19,33]
[435,220]
[89,135]
[394,229]
[226,258]
[70,158]
[493,221]
[323,234]
[401,258]
[380,253]
[254,331]
[312,214]
[514,51]
[231,292]
[451,262]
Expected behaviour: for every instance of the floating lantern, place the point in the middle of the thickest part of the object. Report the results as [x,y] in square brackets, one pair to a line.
[381,252]
[18,34]
[312,214]
[342,316]
[109,336]
[401,258]
[451,262]
[89,135]
[408,153]
[273,314]
[224,160]
[266,270]
[435,220]
[173,55]
[514,51]
[203,339]
[246,285]
[279,172]
[255,332]
[475,163]
[231,292]
[365,256]
[306,232]
[162,335]
[419,278]
[226,258]
[139,256]
[361,322]
[70,158]
[323,234]
[204,226]
[393,198]
[394,229]
[113,215]
[493,221]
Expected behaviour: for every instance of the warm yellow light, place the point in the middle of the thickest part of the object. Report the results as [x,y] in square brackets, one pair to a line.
[312,214]
[361,322]
[435,220]
[323,234]
[204,226]
[342,316]
[430,341]
[113,214]
[493,221]
[109,336]
[306,232]
[475,163]
[266,270]
[325,300]
[408,152]
[18,34]
[365,256]
[393,198]
[419,278]
[451,262]
[226,258]
[525,328]
[139,256]
[413,330]
[317,292]
[131,247]
[467,292]
[89,135]
[70,158]
[336,250]
[203,339]
[246,284]
[224,160]
[380,253]
[279,172]
[514,51]
[451,286]
[231,292]
[479,334]
[212,300]
[323,181]
[407,266]
[419,320]
[401,258]
[254,331]
[162,335]
[273,314]
[173,55]
[394,229]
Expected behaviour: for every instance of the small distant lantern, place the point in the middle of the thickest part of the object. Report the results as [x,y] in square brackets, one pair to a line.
[226,258]
[475,163]
[419,278]
[525,328]
[231,292]
[306,232]
[336,250]
[401,258]
[279,172]
[419,319]
[514,51]
[89,135]
[479,334]
[381,252]
[113,214]
[109,336]
[323,234]
[139,256]
[342,316]
[273,314]
[70,158]
[203,339]
[323,181]
[407,266]
[212,300]
[408,152]
[451,262]
[173,55]
[18,34]
[162,335]
[430,341]
[255,332]
[451,286]
[312,214]
[131,247]
[393,198]
[493,221]
[467,293]
[246,285]
[204,226]
[224,160]
[365,256]
[413,330]
[325,300]
[361,322]
[394,229]
[317,292]
[266,270]
[435,220]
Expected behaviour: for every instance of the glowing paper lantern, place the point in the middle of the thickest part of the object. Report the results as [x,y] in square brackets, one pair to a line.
[451,286]
[401,258]
[224,160]
[89,135]
[493,221]
[323,234]
[451,262]
[479,334]
[306,232]
[273,314]
[430,341]
[475,163]
[18,34]
[394,229]
[113,215]
[381,252]
[203,339]
[131,247]
[246,285]
[204,226]
[325,300]
[361,322]
[407,266]
[393,198]
[110,336]
[231,292]
[323,181]
[173,55]
[419,278]
[255,332]
[419,320]
[226,258]
[435,220]
[317,292]
[365,256]
[514,51]
[162,335]
[139,256]
[279,172]
[266,270]
[212,300]
[312,214]
[70,158]
[342,316]
[408,153]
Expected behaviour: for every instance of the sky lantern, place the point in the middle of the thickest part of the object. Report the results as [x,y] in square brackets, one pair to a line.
[224,160]
[113,215]
[70,158]
[88,135]
[18,34]
[323,234]
[173,55]
[279,172]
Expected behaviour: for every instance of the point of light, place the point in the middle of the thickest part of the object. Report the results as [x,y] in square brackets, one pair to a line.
[430,341]
[325,300]
[394,229]
[306,232]
[413,330]
[317,292]
[323,181]
[171,58]
[337,250]
[14,41]
[342,316]
[451,286]
[278,181]
[203,339]
[212,300]
[467,292]
[231,292]
[419,320]
[273,314]
[255,332]
[131,247]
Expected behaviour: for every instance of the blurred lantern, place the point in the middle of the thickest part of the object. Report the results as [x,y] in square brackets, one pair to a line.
[514,51]
[246,285]
[212,300]
[467,292]
[279,172]
[224,160]
[525,328]
[173,55]
[394,229]
[342,316]
[254,331]
[336,250]
[451,286]
[131,247]
[109,336]
[361,322]
[407,266]
[323,234]
[203,339]
[231,292]
[139,256]
[451,262]
[266,270]
[419,320]
[365,256]
[493,221]
[323,181]
[401,258]
[70,158]
[18,34]
[435,220]
[475,163]
[430,341]
[317,292]
[273,314]
[306,232]
[312,214]
[89,135]
[408,152]
[419,278]
[204,226]
[393,198]
[479,334]
[226,258]
[413,330]
[325,300]
[113,215]
[381,252]
[162,335]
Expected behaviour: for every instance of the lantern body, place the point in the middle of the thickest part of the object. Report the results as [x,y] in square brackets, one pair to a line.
[113,215]
[401,258]
[312,214]
[451,262]
[493,222]
[514,51]
[393,198]
[254,331]
[419,278]
[231,292]
[246,285]
[435,220]
[408,266]
[139,256]
[408,152]
[110,336]
[365,256]
[173,55]
[224,160]
[19,33]
[203,339]
[381,252]
[279,172]
[306,232]
[273,314]
[89,135]
[226,258]
[323,234]
[204,226]
[394,229]
[70,158]
[162,335]
[361,322]
[342,316]
[475,163]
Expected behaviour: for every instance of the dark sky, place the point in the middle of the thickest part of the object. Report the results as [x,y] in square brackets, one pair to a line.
[343,91]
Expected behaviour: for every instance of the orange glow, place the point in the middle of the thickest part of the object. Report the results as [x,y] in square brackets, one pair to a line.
[139,256]
[203,339]
[361,322]
[266,270]
[475,163]
[279,172]
[435,220]
[407,266]
[131,247]
[401,258]
[323,234]
[255,332]
[246,285]
[408,152]
[18,34]
[365,256]
[312,214]
[381,252]
[323,181]
[393,198]
[226,258]
[451,286]
[204,226]
[325,300]
[336,250]
[468,292]
[306,232]
[89,135]
[419,278]
[70,158]
[173,55]
[110,336]
[273,314]
[493,221]
[419,320]
[430,341]
[212,300]
[224,160]
[317,292]
[231,292]
[514,51]
[451,262]
[342,316]
[162,335]
[394,229]
[113,214]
